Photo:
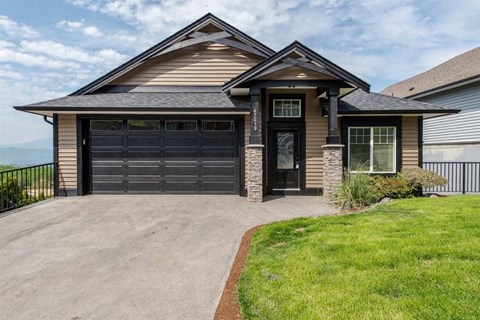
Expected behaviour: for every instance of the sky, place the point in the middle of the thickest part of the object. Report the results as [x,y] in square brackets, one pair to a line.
[50,48]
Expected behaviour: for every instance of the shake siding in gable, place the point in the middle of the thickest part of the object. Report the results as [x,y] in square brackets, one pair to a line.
[208,64]
[67,151]
[410,142]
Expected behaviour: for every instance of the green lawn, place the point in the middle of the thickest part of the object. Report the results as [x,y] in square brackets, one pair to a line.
[408,259]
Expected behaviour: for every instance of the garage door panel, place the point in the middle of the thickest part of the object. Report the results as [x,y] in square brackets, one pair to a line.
[144,170]
[181,155]
[109,170]
[181,170]
[181,141]
[218,155]
[107,186]
[218,141]
[178,186]
[219,187]
[106,141]
[144,186]
[144,141]
[107,155]
[144,155]
[215,171]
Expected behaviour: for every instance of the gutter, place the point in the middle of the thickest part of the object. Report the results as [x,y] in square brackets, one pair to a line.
[47,121]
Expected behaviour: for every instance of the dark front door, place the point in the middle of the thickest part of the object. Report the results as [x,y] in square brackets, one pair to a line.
[285,160]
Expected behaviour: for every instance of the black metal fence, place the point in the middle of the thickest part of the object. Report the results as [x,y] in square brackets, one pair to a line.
[19,187]
[463,177]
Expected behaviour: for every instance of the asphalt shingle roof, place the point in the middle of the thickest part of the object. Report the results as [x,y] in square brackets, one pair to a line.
[459,68]
[360,101]
[143,100]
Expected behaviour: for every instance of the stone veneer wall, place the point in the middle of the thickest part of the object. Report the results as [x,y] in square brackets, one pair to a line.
[253,158]
[332,169]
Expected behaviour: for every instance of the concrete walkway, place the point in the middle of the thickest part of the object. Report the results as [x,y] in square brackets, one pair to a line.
[128,257]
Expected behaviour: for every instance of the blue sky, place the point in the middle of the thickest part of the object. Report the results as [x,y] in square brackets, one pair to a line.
[49,48]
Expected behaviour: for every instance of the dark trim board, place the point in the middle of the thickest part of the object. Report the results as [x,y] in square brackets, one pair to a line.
[55,154]
[420,142]
[263,106]
[372,122]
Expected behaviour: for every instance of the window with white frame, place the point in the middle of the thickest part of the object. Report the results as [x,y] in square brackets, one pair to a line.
[287,108]
[372,149]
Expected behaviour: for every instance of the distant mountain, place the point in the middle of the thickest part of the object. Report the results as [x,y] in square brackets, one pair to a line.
[27,153]
[44,143]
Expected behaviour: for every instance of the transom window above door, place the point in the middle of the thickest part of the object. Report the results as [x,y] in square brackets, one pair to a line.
[287,108]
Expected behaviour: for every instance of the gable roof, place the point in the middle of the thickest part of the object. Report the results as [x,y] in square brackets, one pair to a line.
[462,68]
[174,40]
[328,66]
[359,101]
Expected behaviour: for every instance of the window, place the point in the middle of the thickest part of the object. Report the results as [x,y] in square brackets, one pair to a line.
[143,125]
[106,125]
[287,108]
[180,125]
[218,126]
[372,149]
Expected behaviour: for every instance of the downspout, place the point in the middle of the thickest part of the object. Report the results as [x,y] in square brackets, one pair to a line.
[55,151]
[47,121]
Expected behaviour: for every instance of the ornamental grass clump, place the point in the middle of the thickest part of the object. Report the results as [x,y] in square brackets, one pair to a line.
[355,192]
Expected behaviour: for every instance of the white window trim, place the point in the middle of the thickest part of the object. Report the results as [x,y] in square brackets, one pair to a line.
[371,149]
[299,111]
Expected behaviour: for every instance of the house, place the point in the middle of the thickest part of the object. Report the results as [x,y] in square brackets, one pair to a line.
[452,84]
[210,110]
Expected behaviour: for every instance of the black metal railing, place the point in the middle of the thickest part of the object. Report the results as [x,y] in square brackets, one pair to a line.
[463,177]
[19,187]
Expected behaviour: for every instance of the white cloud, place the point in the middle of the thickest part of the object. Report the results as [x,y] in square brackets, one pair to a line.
[15,29]
[92,31]
[8,55]
[73,26]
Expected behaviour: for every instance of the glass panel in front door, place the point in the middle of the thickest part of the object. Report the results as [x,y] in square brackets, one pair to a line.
[285,150]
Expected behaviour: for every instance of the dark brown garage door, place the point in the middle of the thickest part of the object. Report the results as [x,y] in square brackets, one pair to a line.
[170,156]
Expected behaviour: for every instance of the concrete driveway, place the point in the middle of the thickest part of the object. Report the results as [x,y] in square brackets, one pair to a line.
[128,257]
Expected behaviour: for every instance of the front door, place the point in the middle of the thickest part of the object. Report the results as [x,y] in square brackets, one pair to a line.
[285,160]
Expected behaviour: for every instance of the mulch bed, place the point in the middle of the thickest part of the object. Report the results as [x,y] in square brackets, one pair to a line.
[228,307]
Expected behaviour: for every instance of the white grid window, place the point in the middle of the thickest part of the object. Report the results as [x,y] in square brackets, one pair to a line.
[372,149]
[287,108]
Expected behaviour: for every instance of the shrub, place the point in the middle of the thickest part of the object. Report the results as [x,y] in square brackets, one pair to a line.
[356,191]
[10,194]
[395,187]
[421,178]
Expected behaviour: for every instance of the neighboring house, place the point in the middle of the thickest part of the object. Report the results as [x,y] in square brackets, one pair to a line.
[454,84]
[210,110]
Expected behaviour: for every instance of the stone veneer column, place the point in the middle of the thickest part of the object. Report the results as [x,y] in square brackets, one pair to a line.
[254,163]
[332,169]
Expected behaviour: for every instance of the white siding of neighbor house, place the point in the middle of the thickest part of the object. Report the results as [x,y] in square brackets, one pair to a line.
[463,127]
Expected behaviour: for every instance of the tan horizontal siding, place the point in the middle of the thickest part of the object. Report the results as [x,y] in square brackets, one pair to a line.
[201,65]
[410,142]
[316,132]
[67,151]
